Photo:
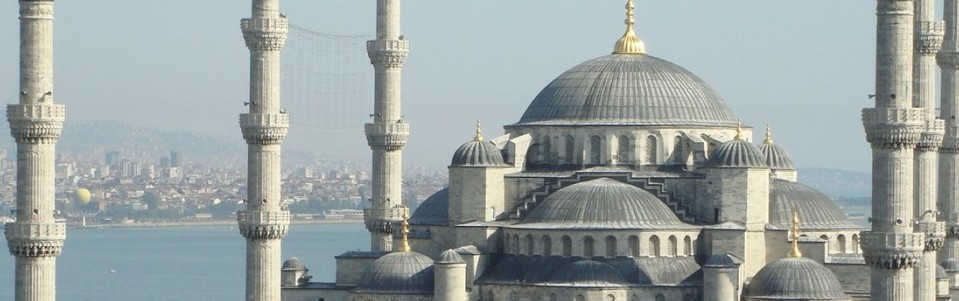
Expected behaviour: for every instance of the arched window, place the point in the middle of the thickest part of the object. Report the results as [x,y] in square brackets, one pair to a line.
[633,242]
[622,154]
[516,248]
[570,146]
[490,297]
[609,297]
[855,243]
[651,150]
[547,246]
[530,244]
[660,297]
[567,246]
[673,246]
[545,149]
[533,154]
[687,246]
[552,297]
[679,150]
[654,246]
[595,149]
[588,246]
[841,239]
[610,246]
[580,298]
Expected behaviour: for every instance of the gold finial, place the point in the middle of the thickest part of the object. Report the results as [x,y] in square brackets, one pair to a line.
[795,253]
[630,43]
[769,135]
[739,130]
[404,245]
[479,131]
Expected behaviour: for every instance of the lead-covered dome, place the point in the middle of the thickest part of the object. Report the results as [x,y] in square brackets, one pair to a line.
[818,210]
[737,153]
[601,204]
[398,272]
[478,153]
[776,157]
[588,273]
[795,279]
[628,89]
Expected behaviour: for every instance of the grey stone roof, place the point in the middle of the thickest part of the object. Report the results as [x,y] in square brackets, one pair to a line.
[622,89]
[478,153]
[737,153]
[816,210]
[588,273]
[434,211]
[398,272]
[601,204]
[540,270]
[795,279]
[293,264]
[450,256]
[776,157]
[951,265]
[723,261]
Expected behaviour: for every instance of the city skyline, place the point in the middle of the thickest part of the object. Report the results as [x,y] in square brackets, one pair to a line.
[154,62]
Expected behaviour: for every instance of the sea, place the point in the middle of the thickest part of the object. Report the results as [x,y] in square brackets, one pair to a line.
[178,263]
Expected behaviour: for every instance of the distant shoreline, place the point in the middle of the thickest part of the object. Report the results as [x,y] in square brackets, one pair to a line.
[208,223]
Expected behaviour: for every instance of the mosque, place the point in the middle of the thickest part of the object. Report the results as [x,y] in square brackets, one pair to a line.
[627,178]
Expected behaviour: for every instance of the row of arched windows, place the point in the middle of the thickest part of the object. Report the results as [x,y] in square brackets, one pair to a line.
[543,150]
[530,245]
[842,244]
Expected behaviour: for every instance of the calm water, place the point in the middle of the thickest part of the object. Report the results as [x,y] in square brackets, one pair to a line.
[177,263]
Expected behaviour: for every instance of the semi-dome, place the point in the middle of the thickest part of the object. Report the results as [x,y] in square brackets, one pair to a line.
[628,89]
[588,273]
[601,204]
[737,153]
[818,210]
[398,272]
[434,211]
[795,278]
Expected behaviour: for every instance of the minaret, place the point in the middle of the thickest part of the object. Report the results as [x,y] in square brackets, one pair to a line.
[36,237]
[893,128]
[928,40]
[948,59]
[387,133]
[265,221]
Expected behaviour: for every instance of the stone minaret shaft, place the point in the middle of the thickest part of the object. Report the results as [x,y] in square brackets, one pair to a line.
[928,41]
[388,132]
[948,59]
[35,238]
[264,222]
[893,128]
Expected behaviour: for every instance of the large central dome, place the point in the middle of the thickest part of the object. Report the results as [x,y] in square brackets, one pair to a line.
[628,89]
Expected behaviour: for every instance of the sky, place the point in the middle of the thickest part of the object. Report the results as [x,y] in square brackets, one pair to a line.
[803,66]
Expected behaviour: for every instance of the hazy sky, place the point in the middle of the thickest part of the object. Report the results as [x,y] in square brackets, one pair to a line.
[804,66]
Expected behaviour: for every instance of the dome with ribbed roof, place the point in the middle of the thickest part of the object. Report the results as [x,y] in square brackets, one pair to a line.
[737,153]
[293,264]
[818,210]
[398,272]
[776,156]
[795,279]
[601,204]
[588,273]
[450,256]
[628,89]
[478,153]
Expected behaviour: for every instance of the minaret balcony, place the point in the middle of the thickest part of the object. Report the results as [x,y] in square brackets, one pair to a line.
[892,250]
[35,239]
[388,53]
[929,39]
[36,123]
[387,135]
[894,127]
[381,219]
[935,234]
[265,34]
[263,224]
[264,128]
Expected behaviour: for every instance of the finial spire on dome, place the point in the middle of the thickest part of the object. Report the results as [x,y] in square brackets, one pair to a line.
[739,130]
[769,135]
[479,131]
[795,253]
[404,245]
[630,43]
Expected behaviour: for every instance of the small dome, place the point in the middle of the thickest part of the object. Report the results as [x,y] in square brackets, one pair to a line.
[588,273]
[737,153]
[818,211]
[293,264]
[398,272]
[795,279]
[601,204]
[776,157]
[478,153]
[450,256]
[434,211]
[627,89]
